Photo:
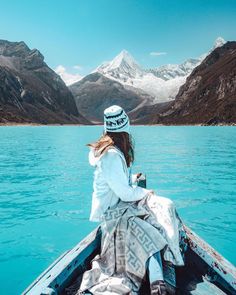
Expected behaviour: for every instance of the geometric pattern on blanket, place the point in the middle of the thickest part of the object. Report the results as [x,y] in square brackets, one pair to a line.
[131,233]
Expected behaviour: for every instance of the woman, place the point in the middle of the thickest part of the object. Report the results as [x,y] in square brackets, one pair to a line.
[136,224]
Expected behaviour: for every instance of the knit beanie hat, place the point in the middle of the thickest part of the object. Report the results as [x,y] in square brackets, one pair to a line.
[116,120]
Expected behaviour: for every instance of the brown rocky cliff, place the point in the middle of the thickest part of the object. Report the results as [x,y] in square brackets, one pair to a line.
[209,94]
[31,92]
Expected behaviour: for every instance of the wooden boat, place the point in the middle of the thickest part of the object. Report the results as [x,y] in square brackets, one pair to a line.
[205,271]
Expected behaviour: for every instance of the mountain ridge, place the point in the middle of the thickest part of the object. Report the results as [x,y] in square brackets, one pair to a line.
[162,82]
[209,95]
[31,92]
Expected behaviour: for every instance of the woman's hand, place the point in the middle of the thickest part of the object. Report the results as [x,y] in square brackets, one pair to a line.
[135,177]
[138,175]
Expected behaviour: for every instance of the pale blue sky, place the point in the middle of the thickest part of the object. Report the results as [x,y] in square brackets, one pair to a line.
[88,32]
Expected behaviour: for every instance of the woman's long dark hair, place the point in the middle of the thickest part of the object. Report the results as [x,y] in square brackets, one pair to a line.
[122,140]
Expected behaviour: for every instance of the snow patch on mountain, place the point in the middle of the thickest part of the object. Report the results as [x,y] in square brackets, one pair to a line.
[172,71]
[218,43]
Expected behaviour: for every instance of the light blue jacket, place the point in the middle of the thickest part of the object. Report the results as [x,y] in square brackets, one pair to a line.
[112,182]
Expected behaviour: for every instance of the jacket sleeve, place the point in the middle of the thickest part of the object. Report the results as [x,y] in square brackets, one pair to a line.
[134,178]
[115,176]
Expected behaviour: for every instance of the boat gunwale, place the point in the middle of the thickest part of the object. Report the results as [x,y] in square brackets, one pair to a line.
[48,277]
[211,257]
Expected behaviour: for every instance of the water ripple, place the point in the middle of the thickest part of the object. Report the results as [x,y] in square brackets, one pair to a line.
[46,187]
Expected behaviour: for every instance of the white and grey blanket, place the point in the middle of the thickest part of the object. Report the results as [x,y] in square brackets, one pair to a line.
[131,233]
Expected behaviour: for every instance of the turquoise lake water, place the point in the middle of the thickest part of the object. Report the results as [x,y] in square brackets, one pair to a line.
[46,187]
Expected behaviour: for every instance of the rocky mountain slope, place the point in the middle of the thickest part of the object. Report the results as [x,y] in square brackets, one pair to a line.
[96,92]
[30,91]
[209,94]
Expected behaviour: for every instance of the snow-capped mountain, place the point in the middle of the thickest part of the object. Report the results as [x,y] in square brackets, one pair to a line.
[171,71]
[162,83]
[122,67]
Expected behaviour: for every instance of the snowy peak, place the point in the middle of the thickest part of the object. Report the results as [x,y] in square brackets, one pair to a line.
[124,57]
[172,71]
[161,83]
[218,43]
[122,67]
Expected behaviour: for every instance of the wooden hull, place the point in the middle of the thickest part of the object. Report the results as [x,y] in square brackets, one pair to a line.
[205,270]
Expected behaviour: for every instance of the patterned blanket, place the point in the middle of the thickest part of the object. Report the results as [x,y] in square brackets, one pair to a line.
[131,233]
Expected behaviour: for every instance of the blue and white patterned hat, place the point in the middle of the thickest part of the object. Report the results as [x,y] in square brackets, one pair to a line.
[116,120]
